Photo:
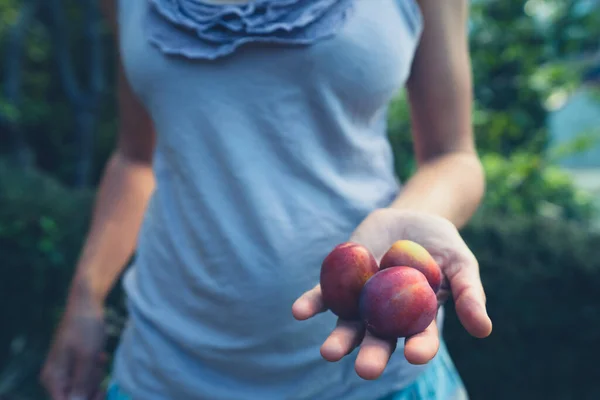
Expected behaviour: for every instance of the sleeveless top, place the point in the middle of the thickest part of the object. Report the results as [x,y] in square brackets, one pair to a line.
[271,148]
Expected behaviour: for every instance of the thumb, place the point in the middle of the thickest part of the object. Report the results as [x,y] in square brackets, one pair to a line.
[88,372]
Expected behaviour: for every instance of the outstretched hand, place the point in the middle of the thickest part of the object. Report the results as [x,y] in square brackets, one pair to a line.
[461,278]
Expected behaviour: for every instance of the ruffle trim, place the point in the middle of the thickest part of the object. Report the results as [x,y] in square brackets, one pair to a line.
[198,30]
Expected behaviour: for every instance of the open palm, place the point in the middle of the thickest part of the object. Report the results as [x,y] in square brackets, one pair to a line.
[461,278]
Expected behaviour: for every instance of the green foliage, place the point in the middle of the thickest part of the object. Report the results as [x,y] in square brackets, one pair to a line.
[522,55]
[541,278]
[399,133]
[44,114]
[528,185]
[42,225]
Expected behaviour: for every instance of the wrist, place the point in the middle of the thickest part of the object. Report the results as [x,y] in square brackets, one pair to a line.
[450,186]
[85,287]
[413,212]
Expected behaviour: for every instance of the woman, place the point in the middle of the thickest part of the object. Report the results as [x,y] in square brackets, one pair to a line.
[252,141]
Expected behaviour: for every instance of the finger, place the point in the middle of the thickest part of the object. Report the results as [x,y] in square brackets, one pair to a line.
[309,304]
[57,393]
[373,356]
[57,389]
[343,340]
[469,298]
[101,395]
[422,347]
[87,375]
[97,378]
[54,378]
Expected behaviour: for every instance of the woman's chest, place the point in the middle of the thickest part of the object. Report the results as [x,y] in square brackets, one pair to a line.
[358,68]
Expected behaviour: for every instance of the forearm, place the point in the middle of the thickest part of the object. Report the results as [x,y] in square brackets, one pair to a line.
[450,186]
[120,205]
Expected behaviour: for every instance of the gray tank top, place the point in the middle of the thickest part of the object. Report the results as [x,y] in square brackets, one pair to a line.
[271,148]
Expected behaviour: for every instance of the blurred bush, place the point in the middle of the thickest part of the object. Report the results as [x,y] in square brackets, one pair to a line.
[541,277]
[57,87]
[42,225]
[528,185]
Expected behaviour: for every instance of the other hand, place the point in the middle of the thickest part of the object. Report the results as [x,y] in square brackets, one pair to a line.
[75,365]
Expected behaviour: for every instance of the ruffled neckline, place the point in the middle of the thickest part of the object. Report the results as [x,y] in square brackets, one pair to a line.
[199,30]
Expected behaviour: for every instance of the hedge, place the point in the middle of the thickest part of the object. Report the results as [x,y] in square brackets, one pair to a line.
[41,231]
[542,280]
[541,277]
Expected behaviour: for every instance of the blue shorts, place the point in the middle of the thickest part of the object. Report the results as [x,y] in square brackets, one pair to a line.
[440,381]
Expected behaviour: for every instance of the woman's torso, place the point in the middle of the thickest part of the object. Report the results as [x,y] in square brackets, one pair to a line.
[266,158]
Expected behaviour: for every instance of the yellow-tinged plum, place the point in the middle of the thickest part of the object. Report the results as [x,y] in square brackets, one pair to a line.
[397,302]
[344,272]
[406,253]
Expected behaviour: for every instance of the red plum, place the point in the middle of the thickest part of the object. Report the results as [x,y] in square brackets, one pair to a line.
[344,272]
[406,253]
[397,302]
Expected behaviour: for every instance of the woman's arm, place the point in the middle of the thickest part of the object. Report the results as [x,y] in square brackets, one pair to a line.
[449,180]
[123,193]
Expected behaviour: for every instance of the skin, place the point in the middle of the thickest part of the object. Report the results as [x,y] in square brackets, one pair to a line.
[441,196]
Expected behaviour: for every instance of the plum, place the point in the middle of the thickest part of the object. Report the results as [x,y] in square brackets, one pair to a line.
[406,253]
[397,302]
[344,272]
